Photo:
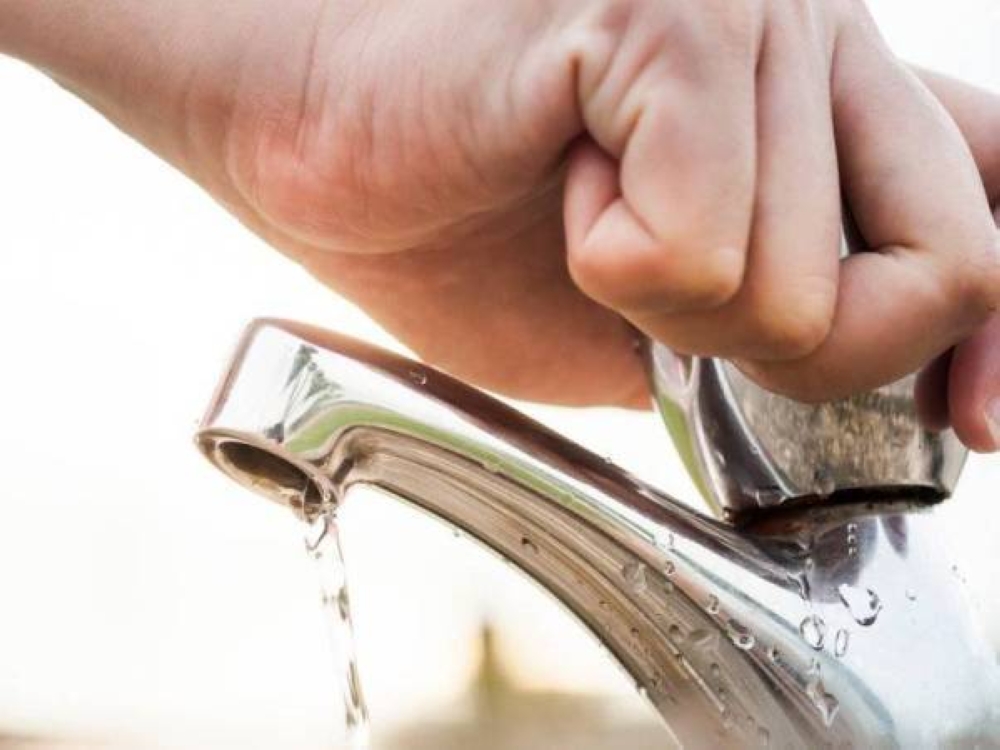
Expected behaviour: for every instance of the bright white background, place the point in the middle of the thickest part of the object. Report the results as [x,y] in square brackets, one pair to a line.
[142,595]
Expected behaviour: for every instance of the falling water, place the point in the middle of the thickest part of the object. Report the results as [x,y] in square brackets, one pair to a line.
[323,545]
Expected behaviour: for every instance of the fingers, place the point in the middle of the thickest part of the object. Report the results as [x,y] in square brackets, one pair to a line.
[977,113]
[974,389]
[658,206]
[964,395]
[935,275]
[788,301]
[711,221]
[785,307]
[931,393]
[623,265]
[705,207]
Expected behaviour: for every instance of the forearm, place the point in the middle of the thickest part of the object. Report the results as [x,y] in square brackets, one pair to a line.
[165,71]
[117,49]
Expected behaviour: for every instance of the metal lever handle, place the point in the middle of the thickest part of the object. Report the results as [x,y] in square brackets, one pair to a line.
[748,449]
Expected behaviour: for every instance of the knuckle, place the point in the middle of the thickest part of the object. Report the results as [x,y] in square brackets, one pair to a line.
[622,42]
[700,280]
[795,323]
[590,272]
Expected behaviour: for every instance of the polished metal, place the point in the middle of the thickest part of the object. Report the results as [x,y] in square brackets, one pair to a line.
[749,449]
[836,625]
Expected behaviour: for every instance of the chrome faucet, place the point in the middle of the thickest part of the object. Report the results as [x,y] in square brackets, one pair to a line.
[821,608]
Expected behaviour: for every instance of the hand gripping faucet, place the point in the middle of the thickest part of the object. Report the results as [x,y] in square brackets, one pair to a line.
[820,607]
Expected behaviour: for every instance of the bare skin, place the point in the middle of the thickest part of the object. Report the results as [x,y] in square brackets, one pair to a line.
[507,187]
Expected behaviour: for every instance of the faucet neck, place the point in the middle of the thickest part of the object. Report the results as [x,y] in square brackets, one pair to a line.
[713,623]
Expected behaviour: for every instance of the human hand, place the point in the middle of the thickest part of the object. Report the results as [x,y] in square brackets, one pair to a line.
[962,387]
[500,185]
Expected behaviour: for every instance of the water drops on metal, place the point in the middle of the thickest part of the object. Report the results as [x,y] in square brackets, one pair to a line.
[841,643]
[635,576]
[740,635]
[826,704]
[813,631]
[863,604]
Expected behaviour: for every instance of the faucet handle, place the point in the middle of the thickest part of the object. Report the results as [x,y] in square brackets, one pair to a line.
[748,449]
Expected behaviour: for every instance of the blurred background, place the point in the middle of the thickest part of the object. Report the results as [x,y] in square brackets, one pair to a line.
[146,602]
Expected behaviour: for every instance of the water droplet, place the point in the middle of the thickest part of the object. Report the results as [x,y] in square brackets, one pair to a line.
[813,631]
[418,377]
[841,643]
[852,528]
[669,569]
[741,637]
[763,736]
[529,546]
[716,670]
[668,587]
[634,632]
[675,634]
[863,604]
[826,704]
[801,582]
[713,605]
[810,564]
[911,595]
[773,654]
[643,693]
[635,576]
[668,543]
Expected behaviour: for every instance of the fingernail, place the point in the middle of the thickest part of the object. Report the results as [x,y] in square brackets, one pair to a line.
[993,421]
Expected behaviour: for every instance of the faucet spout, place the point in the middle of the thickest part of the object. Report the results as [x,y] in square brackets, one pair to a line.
[834,626]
